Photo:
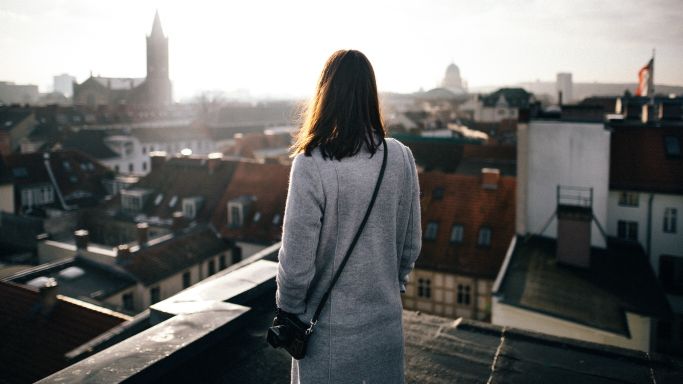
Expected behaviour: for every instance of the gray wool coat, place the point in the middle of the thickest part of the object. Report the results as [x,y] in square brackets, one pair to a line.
[359,337]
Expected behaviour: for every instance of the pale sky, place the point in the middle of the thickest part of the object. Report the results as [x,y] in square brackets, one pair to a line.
[278,47]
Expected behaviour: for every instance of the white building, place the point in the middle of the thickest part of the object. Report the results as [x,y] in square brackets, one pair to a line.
[64,84]
[563,275]
[565,87]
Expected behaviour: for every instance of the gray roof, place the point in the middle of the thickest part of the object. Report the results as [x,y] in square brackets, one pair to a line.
[619,279]
[97,282]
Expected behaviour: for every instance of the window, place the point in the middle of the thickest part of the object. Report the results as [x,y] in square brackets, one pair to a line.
[157,200]
[189,208]
[671,273]
[144,150]
[221,263]
[131,202]
[234,215]
[457,233]
[670,220]
[116,168]
[276,219]
[187,279]
[424,288]
[66,165]
[128,302]
[257,217]
[432,229]
[627,230]
[628,199]
[212,267]
[37,196]
[672,146]
[154,295]
[484,236]
[172,202]
[464,296]
[130,168]
[144,166]
[437,193]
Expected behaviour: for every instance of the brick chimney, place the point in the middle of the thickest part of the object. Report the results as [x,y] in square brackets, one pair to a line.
[157,160]
[214,161]
[123,254]
[48,296]
[574,219]
[81,237]
[178,221]
[143,234]
[490,178]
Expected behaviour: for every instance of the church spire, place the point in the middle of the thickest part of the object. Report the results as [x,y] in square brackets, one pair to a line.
[156,27]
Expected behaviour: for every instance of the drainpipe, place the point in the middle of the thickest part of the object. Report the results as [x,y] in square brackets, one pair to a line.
[46,157]
[649,227]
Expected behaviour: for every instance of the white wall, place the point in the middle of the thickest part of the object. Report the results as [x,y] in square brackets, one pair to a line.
[561,153]
[510,316]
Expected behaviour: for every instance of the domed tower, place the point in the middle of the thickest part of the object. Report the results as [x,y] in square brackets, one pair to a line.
[452,80]
[158,85]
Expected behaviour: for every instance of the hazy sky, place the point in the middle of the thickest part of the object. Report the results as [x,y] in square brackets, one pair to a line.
[278,47]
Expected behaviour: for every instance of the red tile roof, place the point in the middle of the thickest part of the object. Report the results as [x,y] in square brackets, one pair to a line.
[638,159]
[33,345]
[268,184]
[465,202]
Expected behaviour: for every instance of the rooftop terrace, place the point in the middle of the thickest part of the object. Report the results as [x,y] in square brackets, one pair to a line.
[214,332]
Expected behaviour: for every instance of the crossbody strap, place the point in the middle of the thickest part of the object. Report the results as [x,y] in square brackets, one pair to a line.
[314,320]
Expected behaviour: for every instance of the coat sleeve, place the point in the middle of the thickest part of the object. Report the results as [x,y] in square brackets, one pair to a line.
[413,235]
[300,235]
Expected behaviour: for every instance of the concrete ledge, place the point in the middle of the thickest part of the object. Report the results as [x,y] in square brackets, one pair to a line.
[184,325]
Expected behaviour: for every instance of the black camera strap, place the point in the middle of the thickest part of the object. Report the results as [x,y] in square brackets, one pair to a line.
[314,320]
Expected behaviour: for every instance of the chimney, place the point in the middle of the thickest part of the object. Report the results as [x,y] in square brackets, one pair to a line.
[178,221]
[574,218]
[143,234]
[123,254]
[157,160]
[670,110]
[648,114]
[81,237]
[490,178]
[48,296]
[213,161]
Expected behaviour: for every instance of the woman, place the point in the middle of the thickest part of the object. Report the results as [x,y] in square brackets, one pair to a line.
[359,336]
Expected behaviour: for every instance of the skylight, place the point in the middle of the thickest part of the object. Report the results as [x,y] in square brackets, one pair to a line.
[19,172]
[174,200]
[158,199]
[257,217]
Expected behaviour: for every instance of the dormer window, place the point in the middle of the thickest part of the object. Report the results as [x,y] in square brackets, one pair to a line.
[133,199]
[35,196]
[191,206]
[235,214]
[238,209]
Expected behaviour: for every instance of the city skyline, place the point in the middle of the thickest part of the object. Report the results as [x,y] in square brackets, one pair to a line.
[277,49]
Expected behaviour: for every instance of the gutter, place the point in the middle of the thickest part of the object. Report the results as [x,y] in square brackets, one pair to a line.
[649,225]
[504,267]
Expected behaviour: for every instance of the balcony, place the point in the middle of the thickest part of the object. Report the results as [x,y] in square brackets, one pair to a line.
[214,332]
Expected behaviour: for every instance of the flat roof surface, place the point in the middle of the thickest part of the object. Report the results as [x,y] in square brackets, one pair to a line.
[619,279]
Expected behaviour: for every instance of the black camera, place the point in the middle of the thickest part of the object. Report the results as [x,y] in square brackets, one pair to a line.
[289,333]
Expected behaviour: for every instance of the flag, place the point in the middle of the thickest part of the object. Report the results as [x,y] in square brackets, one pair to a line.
[646,79]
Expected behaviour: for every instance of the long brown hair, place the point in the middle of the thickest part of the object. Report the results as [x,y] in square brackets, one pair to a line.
[344,114]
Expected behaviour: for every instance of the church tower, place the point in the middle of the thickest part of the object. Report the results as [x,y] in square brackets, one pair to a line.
[158,83]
